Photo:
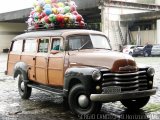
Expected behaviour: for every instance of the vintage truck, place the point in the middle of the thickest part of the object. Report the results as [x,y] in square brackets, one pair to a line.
[79,65]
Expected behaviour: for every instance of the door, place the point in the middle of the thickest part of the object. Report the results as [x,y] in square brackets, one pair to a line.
[28,56]
[56,63]
[42,61]
[14,55]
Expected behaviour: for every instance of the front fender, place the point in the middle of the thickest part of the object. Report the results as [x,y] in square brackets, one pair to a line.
[19,67]
[78,75]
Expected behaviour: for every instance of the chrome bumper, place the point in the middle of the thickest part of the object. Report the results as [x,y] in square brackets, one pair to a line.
[122,96]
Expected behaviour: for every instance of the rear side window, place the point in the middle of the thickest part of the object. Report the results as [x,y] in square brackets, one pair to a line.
[17,46]
[30,45]
[43,45]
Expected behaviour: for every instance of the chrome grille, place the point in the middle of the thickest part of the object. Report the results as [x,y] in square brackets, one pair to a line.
[126,81]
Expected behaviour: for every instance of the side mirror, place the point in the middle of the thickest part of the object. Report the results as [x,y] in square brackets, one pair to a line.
[54,51]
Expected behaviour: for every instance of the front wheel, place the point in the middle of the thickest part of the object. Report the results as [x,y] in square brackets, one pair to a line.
[24,90]
[136,103]
[80,103]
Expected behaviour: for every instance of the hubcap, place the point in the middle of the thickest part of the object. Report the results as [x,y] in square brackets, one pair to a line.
[83,101]
[22,86]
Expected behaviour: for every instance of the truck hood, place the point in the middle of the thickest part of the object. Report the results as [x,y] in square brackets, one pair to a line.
[114,61]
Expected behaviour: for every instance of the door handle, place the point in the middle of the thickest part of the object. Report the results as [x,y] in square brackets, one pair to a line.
[34,58]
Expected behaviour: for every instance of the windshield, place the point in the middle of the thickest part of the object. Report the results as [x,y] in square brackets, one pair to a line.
[78,42]
[100,41]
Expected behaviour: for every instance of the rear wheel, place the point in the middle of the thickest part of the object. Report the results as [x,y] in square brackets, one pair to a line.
[24,90]
[80,103]
[136,103]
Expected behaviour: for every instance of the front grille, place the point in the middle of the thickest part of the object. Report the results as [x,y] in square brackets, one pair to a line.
[126,81]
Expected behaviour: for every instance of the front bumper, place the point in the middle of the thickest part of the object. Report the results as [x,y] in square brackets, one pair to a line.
[122,96]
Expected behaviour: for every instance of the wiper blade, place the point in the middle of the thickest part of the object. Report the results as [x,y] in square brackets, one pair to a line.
[83,45]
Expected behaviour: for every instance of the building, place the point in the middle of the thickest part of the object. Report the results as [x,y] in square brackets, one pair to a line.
[123,21]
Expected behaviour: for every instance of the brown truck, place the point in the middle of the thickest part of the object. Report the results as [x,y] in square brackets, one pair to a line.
[80,66]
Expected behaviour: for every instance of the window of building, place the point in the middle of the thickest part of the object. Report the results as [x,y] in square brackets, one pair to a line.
[30,45]
[17,46]
[43,45]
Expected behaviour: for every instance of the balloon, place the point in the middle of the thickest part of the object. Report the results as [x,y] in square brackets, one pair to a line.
[38,9]
[41,3]
[47,6]
[54,5]
[72,3]
[35,15]
[54,10]
[73,8]
[52,18]
[60,10]
[54,1]
[48,11]
[75,12]
[66,18]
[46,19]
[67,9]
[81,24]
[72,18]
[32,13]
[78,18]
[60,4]
[43,21]
[48,1]
[43,14]
[30,21]
[60,18]
[35,3]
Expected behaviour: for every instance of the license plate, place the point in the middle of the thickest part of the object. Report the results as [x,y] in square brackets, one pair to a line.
[112,90]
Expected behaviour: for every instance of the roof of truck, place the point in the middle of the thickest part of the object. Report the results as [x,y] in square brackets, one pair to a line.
[55,33]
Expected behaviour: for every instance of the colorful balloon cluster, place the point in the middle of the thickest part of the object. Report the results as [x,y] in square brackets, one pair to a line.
[50,13]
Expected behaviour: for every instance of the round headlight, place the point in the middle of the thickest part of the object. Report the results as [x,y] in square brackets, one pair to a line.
[151,71]
[96,75]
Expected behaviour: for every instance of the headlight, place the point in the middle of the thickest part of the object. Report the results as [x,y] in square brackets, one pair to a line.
[151,71]
[96,75]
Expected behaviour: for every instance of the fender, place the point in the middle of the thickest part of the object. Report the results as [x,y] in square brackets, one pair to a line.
[20,67]
[78,75]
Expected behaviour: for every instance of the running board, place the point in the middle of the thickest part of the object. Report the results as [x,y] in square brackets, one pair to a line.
[47,89]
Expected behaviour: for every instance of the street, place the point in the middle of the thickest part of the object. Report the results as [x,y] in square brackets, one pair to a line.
[46,106]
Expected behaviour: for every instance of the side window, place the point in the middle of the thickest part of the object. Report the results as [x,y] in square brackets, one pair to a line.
[43,45]
[80,42]
[17,46]
[30,45]
[57,44]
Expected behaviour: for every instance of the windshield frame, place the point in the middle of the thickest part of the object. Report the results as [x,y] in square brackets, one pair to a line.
[85,34]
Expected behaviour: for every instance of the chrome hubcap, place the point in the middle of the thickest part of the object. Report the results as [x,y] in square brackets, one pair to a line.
[83,101]
[22,86]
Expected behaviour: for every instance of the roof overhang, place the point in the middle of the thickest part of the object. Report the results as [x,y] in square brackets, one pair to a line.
[88,8]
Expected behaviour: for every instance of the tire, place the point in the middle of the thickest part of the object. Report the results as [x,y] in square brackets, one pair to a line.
[130,53]
[24,90]
[76,93]
[146,54]
[135,104]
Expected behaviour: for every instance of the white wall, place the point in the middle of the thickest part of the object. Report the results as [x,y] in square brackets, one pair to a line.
[110,16]
[147,36]
[8,31]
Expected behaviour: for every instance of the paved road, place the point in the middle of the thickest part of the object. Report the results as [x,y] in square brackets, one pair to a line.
[45,106]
